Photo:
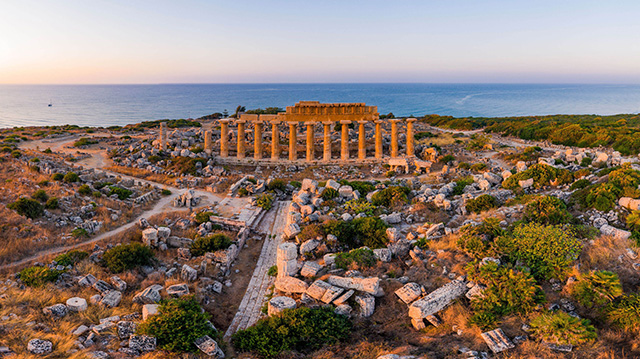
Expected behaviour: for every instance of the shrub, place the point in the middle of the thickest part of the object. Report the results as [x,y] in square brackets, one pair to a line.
[16,153]
[43,183]
[479,167]
[41,195]
[464,166]
[625,177]
[71,177]
[602,197]
[371,231]
[447,158]
[547,210]
[548,250]
[96,194]
[84,141]
[38,276]
[71,258]
[481,203]
[57,177]
[122,193]
[461,184]
[127,256]
[302,329]
[580,184]
[277,184]
[586,161]
[48,150]
[178,324]
[329,194]
[633,221]
[210,243]
[273,271]
[361,205]
[561,328]
[597,288]
[478,241]
[165,192]
[242,192]
[84,190]
[363,257]
[52,203]
[265,201]
[391,196]
[542,175]
[624,312]
[361,186]
[80,233]
[508,291]
[203,217]
[27,207]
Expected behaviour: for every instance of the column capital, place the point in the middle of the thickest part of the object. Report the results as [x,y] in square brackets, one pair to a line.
[345,122]
[275,121]
[224,121]
[328,123]
[363,122]
[411,119]
[241,122]
[378,122]
[310,123]
[292,123]
[395,120]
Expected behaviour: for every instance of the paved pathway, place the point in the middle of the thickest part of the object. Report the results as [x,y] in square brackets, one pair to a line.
[250,308]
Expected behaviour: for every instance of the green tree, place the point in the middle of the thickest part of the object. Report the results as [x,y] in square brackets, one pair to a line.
[210,243]
[127,256]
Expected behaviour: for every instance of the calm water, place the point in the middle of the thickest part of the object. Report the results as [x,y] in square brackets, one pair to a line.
[104,105]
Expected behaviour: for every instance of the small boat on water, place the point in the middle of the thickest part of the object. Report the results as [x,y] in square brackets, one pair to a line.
[50,103]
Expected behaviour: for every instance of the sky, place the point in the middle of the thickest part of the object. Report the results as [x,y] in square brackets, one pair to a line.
[327,41]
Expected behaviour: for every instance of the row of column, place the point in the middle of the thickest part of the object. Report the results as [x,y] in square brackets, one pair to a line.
[293,139]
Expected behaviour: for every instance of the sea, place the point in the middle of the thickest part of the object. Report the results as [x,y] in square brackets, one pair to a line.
[108,105]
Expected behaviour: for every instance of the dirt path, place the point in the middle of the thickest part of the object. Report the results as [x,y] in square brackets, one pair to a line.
[250,309]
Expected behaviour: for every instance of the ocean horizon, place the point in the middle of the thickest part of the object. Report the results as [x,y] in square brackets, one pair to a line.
[108,105]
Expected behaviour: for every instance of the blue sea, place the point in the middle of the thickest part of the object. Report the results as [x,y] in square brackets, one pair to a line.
[106,105]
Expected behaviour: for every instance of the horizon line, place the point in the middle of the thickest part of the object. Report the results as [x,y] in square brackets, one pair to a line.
[318,83]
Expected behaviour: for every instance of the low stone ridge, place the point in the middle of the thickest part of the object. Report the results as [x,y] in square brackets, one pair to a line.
[437,300]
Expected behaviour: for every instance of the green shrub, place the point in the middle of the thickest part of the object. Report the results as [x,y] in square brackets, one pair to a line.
[277,184]
[296,184]
[625,177]
[27,207]
[580,184]
[243,192]
[210,243]
[122,193]
[203,217]
[542,174]
[96,194]
[633,221]
[80,233]
[52,203]
[6,149]
[508,291]
[391,196]
[71,177]
[602,197]
[311,231]
[165,192]
[101,185]
[16,153]
[41,195]
[547,210]
[84,141]
[361,205]
[302,329]
[43,183]
[464,166]
[548,250]
[38,276]
[84,190]
[57,177]
[367,231]
[361,186]
[48,150]
[329,194]
[481,203]
[363,257]
[273,271]
[447,158]
[71,258]
[624,312]
[461,184]
[597,288]
[178,324]
[479,167]
[586,161]
[265,201]
[127,256]
[561,328]
[478,240]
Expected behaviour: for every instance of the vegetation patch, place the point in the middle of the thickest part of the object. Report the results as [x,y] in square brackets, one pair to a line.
[597,288]
[481,203]
[38,276]
[561,328]
[478,240]
[547,210]
[127,256]
[210,243]
[391,196]
[362,257]
[542,175]
[71,258]
[27,207]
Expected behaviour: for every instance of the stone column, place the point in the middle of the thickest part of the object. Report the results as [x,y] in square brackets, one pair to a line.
[310,133]
[163,136]
[207,142]
[362,140]
[379,138]
[293,141]
[275,140]
[224,138]
[241,152]
[327,141]
[257,140]
[344,145]
[394,137]
[410,152]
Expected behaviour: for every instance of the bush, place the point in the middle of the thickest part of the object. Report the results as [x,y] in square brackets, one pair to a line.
[580,184]
[561,328]
[203,217]
[624,312]
[48,150]
[38,276]
[461,184]
[265,201]
[633,221]
[210,243]
[391,196]
[367,231]
[84,141]
[363,257]
[479,167]
[361,186]
[242,192]
[84,190]
[329,194]
[508,291]
[165,192]
[41,195]
[311,231]
[478,241]
[548,250]
[586,161]
[277,184]
[273,271]
[303,329]
[52,203]
[27,207]
[71,258]
[57,177]
[360,205]
[16,153]
[178,324]
[602,197]
[71,177]
[542,174]
[597,288]
[547,210]
[464,166]
[127,256]
[122,193]
[447,158]
[481,203]
[80,233]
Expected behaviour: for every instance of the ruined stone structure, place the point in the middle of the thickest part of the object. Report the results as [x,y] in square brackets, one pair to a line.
[163,136]
[309,115]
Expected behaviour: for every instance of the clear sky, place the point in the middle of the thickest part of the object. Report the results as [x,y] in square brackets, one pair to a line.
[236,41]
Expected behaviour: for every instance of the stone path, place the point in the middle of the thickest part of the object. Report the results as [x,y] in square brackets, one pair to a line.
[250,308]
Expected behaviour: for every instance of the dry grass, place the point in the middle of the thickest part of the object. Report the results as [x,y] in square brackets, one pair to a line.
[143,174]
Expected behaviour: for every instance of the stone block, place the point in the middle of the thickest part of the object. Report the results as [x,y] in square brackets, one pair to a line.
[118,283]
[310,269]
[56,310]
[344,297]
[287,268]
[287,251]
[111,299]
[178,290]
[317,289]
[149,295]
[309,246]
[126,329]
[367,304]
[526,183]
[309,185]
[150,237]
[409,292]
[369,285]
[291,230]
[39,346]
[149,310]
[278,304]
[188,273]
[290,285]
[608,230]
[142,343]
[77,304]
[87,280]
[437,300]
[102,328]
[102,286]
[331,294]
[497,340]
[209,347]
[164,233]
[382,254]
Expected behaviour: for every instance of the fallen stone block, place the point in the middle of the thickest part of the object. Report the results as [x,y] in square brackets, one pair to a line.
[149,295]
[149,310]
[409,292]
[310,269]
[291,285]
[56,310]
[317,289]
[39,346]
[142,343]
[111,299]
[438,299]
[367,304]
[209,347]
[278,304]
[497,340]
[178,290]
[369,285]
[331,294]
[77,304]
